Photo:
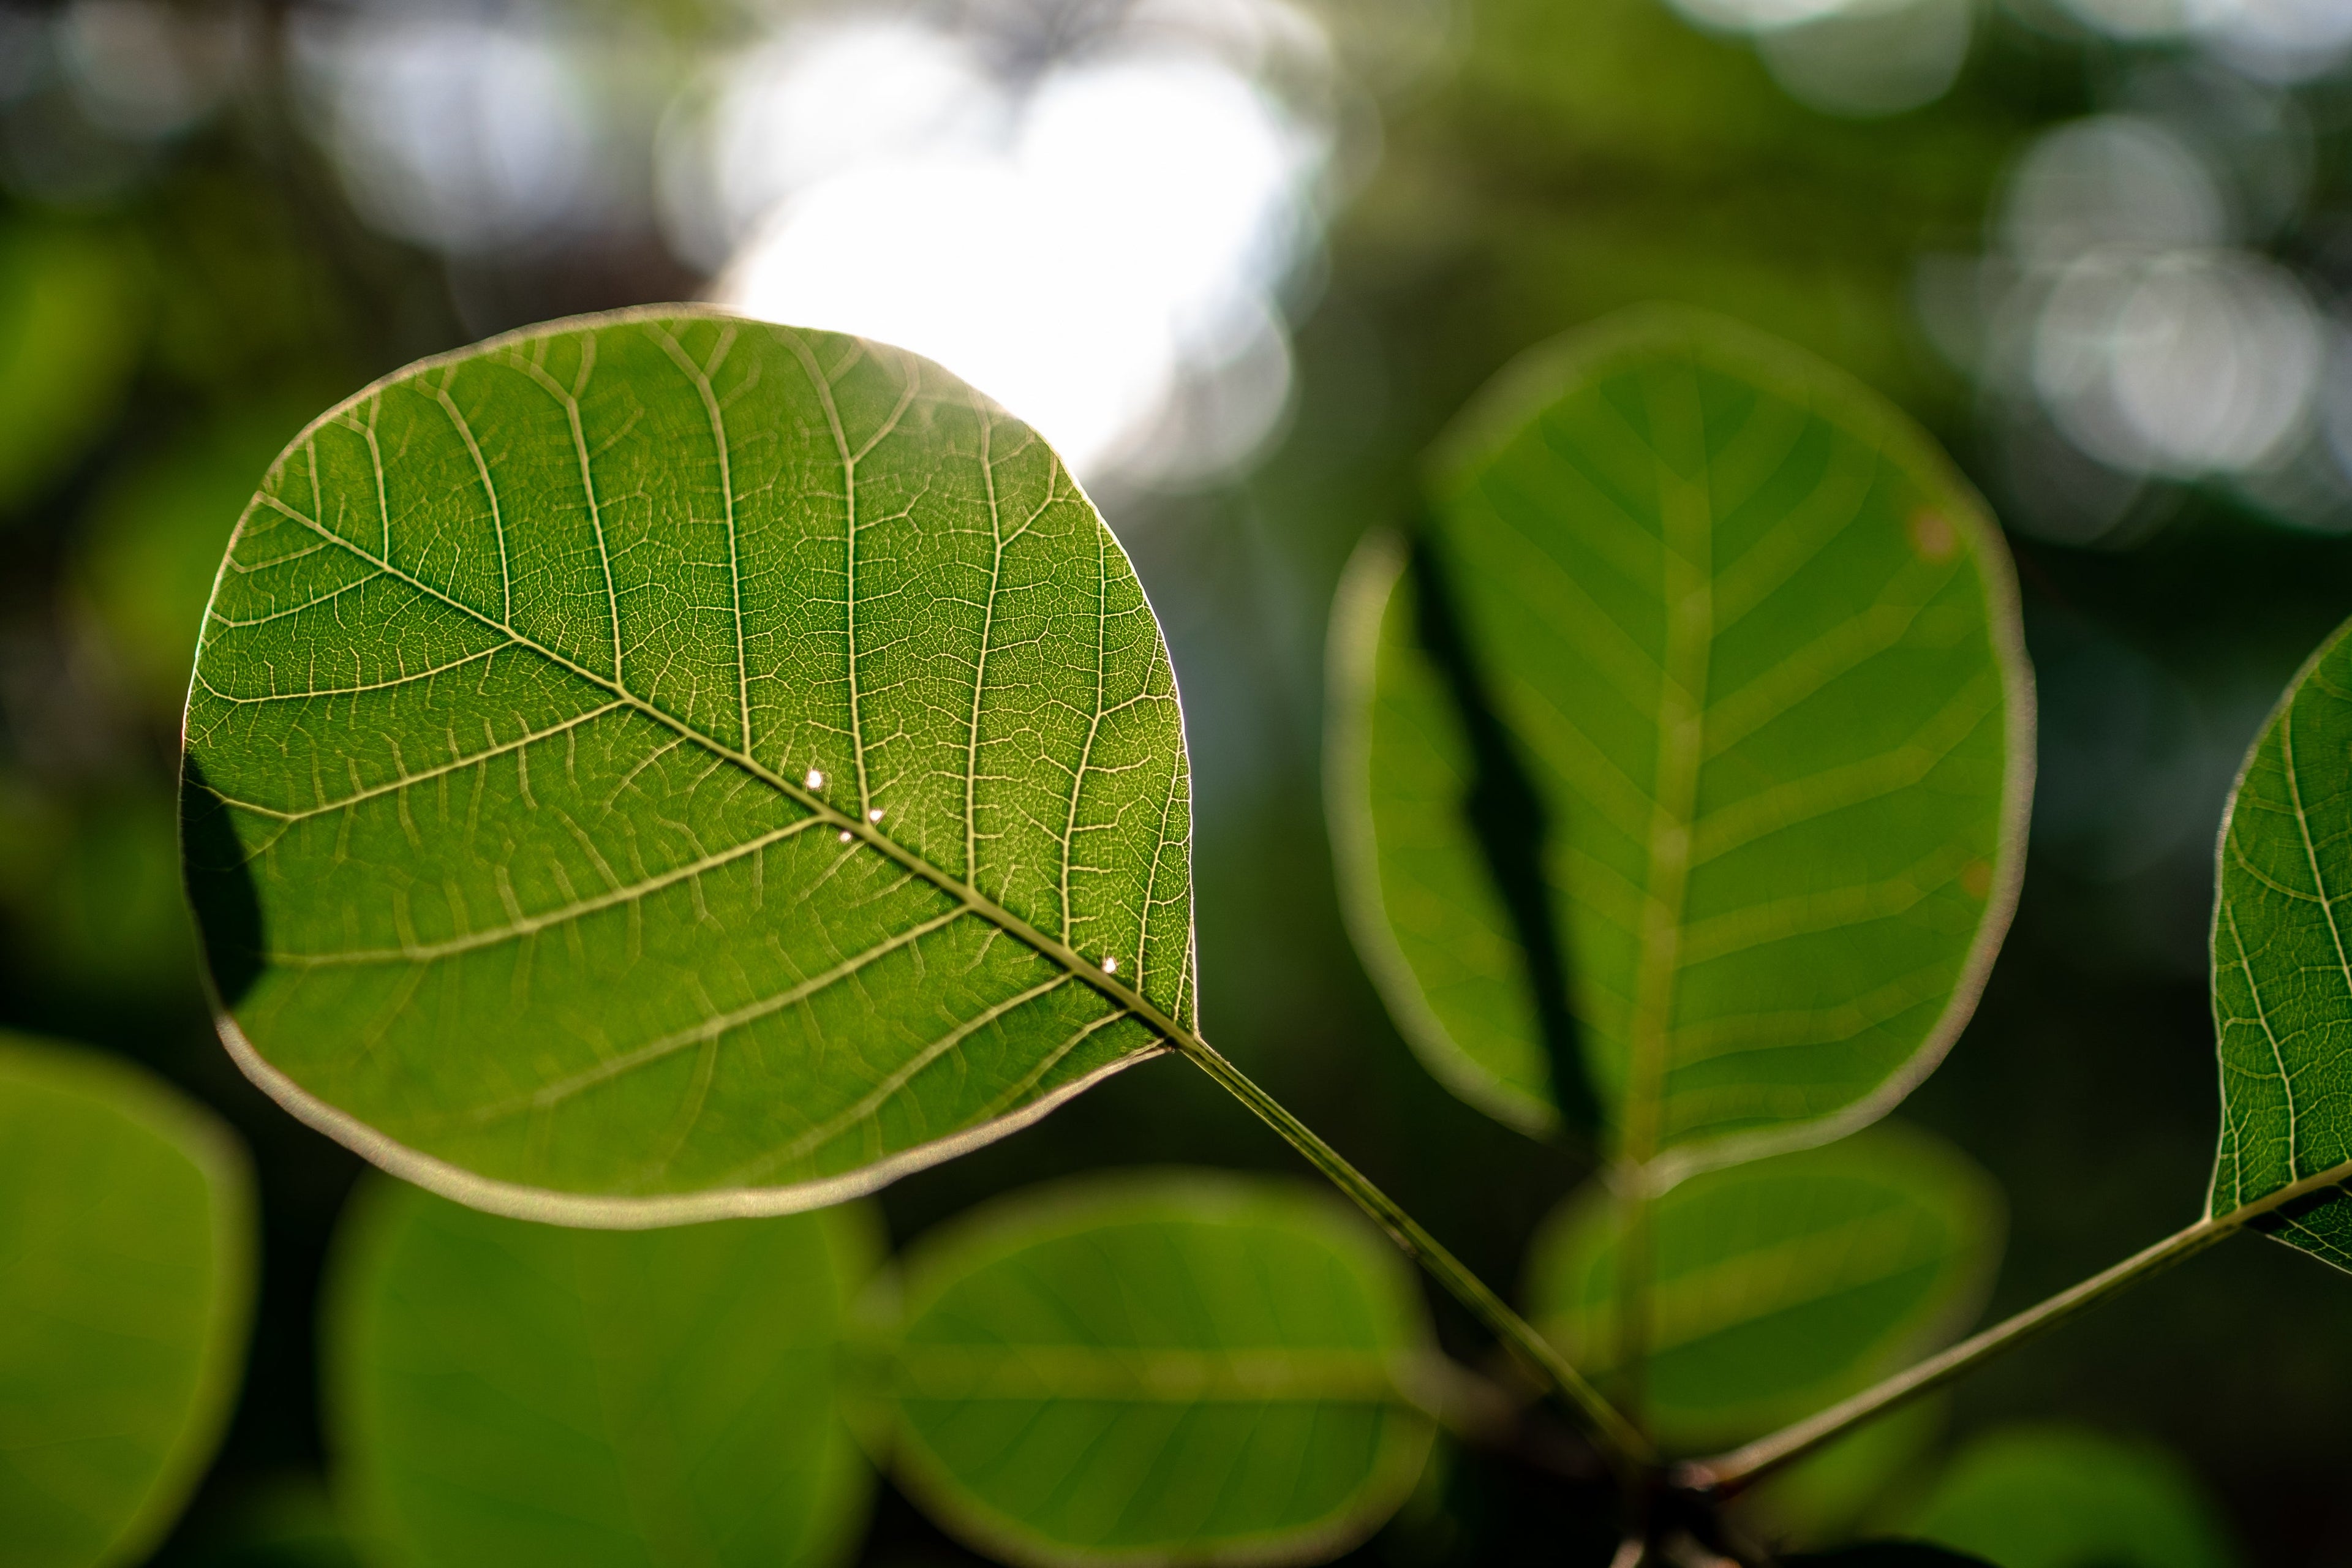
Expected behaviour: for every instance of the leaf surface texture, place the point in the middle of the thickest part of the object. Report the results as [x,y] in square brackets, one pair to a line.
[1752,653]
[659,765]
[2282,977]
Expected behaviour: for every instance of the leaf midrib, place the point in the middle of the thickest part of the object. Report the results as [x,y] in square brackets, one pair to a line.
[977,902]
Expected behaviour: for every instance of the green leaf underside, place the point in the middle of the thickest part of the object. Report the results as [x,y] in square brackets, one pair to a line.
[1176,1368]
[1757,648]
[538,691]
[2053,1496]
[126,1265]
[1781,1286]
[502,1392]
[2281,976]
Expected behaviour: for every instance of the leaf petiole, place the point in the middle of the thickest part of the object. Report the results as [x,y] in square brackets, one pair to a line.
[1727,1474]
[1618,1439]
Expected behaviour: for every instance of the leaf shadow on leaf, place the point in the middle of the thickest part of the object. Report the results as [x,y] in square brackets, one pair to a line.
[1508,817]
[2282,1220]
[220,886]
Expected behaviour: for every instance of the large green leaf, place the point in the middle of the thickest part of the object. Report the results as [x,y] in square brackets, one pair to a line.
[1174,1368]
[502,1392]
[126,1276]
[1685,760]
[2281,966]
[2057,1496]
[1778,1287]
[658,765]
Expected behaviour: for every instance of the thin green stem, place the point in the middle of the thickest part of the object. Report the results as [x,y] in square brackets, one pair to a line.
[1626,1449]
[1728,1473]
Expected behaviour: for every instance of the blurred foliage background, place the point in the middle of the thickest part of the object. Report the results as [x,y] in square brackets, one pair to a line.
[1242,259]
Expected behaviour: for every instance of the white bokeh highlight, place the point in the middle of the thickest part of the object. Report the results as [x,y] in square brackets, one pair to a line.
[1101,249]
[456,131]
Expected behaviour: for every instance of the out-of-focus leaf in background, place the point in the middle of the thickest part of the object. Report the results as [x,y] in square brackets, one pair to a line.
[502,1392]
[127,1227]
[1180,1368]
[1849,1485]
[153,538]
[73,313]
[2055,1497]
[1782,1285]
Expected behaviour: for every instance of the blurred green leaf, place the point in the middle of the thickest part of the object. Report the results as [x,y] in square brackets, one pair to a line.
[127,1233]
[659,766]
[1830,1495]
[151,543]
[1172,1368]
[1781,1286]
[2058,1497]
[2282,977]
[1690,759]
[90,884]
[71,319]
[505,1393]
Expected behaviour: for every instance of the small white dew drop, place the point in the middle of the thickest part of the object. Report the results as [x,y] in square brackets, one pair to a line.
[875,814]
[1110,966]
[816,779]
[845,835]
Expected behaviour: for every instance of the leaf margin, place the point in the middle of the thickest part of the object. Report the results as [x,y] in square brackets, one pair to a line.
[1485,424]
[515,1200]
[195,1132]
[958,1241]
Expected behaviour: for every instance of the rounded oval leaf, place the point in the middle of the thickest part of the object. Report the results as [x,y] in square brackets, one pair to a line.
[1177,1368]
[2281,966]
[2058,1497]
[1779,1287]
[502,1392]
[1681,769]
[127,1232]
[658,766]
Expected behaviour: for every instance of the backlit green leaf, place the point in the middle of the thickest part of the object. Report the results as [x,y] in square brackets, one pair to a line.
[1781,1286]
[1174,1368]
[1685,761]
[505,1393]
[2056,1496]
[126,1276]
[657,765]
[2282,977]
